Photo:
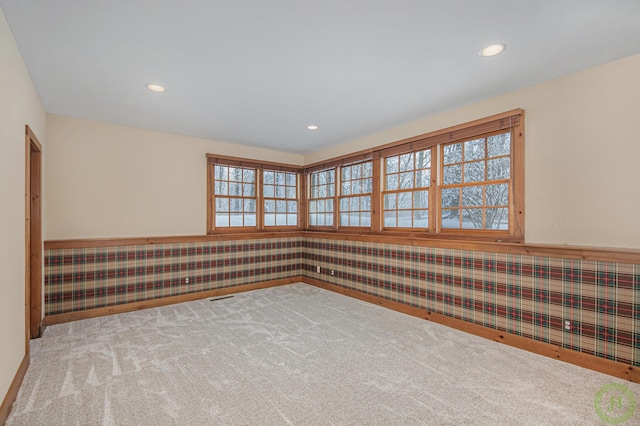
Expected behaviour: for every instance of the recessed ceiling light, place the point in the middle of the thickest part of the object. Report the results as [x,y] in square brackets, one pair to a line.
[493,50]
[312,127]
[155,88]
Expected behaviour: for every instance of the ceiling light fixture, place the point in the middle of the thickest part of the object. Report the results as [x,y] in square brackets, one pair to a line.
[493,50]
[156,88]
[312,127]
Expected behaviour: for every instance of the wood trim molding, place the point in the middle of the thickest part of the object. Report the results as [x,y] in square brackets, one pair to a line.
[12,393]
[142,241]
[591,362]
[171,300]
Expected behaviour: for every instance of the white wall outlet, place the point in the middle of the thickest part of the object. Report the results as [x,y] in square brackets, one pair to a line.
[318,269]
[567,325]
[333,273]
[186,280]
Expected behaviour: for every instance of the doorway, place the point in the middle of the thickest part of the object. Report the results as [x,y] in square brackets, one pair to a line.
[33,237]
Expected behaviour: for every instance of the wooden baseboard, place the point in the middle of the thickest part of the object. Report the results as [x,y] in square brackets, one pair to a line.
[606,366]
[154,303]
[12,393]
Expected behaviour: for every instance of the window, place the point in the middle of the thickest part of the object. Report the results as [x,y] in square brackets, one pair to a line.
[280,198]
[356,184]
[406,190]
[235,196]
[475,183]
[321,197]
[466,181]
[246,195]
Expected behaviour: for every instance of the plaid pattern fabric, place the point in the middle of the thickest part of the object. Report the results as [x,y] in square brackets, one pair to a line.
[529,296]
[87,278]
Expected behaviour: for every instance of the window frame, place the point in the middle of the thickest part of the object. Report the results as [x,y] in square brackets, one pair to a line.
[511,120]
[260,167]
[333,198]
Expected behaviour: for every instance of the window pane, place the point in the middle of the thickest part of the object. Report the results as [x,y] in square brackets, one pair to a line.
[450,219]
[280,192]
[269,220]
[291,192]
[221,172]
[474,172]
[236,219]
[346,188]
[474,150]
[250,219]
[356,187]
[292,219]
[498,168]
[235,189]
[450,197]
[344,219]
[367,169]
[390,219]
[354,219]
[423,159]
[222,204]
[420,219]
[452,175]
[406,180]
[269,206]
[346,173]
[235,174]
[269,177]
[406,162]
[281,219]
[404,200]
[331,190]
[471,218]
[222,188]
[249,175]
[292,206]
[222,220]
[313,220]
[421,199]
[498,195]
[249,190]
[497,218]
[281,206]
[423,178]
[390,201]
[329,206]
[472,196]
[392,182]
[453,153]
[499,144]
[392,164]
[354,203]
[404,219]
[313,206]
[291,179]
[365,219]
[269,191]
[250,205]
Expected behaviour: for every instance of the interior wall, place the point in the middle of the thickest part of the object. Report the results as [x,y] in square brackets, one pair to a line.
[581,153]
[108,181]
[19,105]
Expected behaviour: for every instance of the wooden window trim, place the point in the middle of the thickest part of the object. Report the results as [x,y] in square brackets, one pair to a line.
[260,166]
[513,120]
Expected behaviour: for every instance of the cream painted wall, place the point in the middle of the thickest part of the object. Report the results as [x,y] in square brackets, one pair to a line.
[106,181]
[582,153]
[19,105]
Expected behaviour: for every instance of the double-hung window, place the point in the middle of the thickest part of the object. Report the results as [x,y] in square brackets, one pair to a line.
[244,195]
[356,186]
[322,192]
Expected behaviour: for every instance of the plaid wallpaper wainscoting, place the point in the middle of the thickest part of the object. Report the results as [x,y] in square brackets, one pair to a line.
[529,296]
[87,278]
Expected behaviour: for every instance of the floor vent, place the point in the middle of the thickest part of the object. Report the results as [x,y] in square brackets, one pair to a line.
[220,298]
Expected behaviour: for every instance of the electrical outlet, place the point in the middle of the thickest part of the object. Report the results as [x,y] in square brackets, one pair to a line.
[318,269]
[186,280]
[567,325]
[333,273]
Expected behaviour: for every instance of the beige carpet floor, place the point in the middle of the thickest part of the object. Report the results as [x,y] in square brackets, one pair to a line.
[293,355]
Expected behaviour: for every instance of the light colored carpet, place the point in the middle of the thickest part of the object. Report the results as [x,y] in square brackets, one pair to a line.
[294,355]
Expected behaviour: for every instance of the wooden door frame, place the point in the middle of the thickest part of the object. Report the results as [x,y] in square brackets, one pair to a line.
[33,236]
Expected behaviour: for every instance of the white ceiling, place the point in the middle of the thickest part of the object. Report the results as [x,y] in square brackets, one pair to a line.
[257,72]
